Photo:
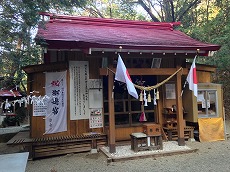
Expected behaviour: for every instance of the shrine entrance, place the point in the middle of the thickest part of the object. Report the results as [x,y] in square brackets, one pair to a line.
[128,110]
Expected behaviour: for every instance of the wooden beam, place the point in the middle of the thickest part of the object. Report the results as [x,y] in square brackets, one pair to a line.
[46,67]
[146,71]
[112,148]
[206,68]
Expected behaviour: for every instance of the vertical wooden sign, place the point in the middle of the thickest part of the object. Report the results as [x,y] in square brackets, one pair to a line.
[79,95]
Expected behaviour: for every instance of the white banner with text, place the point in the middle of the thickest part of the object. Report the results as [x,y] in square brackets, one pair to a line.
[56,89]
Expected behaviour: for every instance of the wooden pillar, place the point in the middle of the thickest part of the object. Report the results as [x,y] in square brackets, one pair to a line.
[180,120]
[29,106]
[112,147]
[158,114]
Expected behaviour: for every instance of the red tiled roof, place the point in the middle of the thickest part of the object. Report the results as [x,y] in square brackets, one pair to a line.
[9,93]
[86,32]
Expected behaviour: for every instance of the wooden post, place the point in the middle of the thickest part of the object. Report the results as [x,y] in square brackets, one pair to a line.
[112,147]
[158,114]
[180,120]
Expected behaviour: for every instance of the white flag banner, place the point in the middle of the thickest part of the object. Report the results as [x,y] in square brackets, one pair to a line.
[56,89]
[79,94]
[122,75]
[192,78]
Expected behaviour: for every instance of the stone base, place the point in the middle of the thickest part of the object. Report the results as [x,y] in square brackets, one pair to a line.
[191,140]
[93,151]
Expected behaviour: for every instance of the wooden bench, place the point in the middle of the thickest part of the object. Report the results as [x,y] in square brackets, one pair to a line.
[50,146]
[173,135]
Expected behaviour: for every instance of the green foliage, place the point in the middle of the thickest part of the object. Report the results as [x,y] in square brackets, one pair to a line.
[166,10]
[118,9]
[122,10]
[18,23]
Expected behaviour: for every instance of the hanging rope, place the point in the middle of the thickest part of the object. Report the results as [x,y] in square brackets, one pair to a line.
[149,88]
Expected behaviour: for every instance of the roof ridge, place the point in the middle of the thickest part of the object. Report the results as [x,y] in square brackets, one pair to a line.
[110,22]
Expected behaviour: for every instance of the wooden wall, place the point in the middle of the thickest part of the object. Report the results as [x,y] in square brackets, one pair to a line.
[123,133]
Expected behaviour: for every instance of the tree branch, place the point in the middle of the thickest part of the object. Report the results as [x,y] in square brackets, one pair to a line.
[188,8]
[94,12]
[172,10]
[160,15]
[147,9]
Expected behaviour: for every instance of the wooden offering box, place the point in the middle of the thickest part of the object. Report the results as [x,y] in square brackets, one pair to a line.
[152,129]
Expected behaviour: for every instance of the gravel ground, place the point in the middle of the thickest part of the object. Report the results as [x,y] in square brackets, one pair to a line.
[213,156]
[210,157]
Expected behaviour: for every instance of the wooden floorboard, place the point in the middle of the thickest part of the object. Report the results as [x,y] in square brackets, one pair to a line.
[21,137]
[43,147]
